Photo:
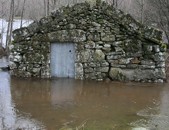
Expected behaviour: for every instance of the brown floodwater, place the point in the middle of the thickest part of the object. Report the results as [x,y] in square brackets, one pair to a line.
[67,104]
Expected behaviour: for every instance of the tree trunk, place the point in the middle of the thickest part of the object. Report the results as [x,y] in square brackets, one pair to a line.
[10,26]
[23,9]
[45,12]
[48,7]
[2,24]
[53,4]
[142,11]
[1,34]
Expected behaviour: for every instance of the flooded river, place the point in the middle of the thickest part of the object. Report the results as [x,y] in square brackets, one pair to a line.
[67,104]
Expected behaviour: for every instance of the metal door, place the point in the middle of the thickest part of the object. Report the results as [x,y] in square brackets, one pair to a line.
[62,60]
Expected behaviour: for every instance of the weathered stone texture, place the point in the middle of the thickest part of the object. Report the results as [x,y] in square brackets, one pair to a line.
[109,45]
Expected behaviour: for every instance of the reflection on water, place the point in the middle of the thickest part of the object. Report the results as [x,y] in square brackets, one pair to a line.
[157,118]
[33,104]
[7,113]
[62,92]
[9,120]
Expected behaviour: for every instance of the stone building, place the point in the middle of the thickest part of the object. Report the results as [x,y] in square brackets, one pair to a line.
[89,42]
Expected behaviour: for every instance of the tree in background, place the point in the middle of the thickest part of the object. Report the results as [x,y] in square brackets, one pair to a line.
[113,2]
[23,9]
[157,15]
[48,8]
[10,24]
[54,4]
[2,15]
[142,5]
[163,15]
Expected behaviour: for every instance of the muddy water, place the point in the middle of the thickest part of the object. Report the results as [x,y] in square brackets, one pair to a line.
[33,104]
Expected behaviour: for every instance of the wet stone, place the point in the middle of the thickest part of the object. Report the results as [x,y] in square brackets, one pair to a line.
[104,64]
[156,48]
[147,66]
[88,70]
[107,38]
[159,57]
[102,69]
[118,49]
[118,66]
[99,55]
[117,43]
[90,44]
[160,64]
[135,61]
[124,61]
[132,66]
[114,57]
[79,71]
[148,62]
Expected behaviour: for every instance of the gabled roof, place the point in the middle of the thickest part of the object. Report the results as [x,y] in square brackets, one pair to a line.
[82,11]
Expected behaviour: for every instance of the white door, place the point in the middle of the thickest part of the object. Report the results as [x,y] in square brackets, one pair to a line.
[63,60]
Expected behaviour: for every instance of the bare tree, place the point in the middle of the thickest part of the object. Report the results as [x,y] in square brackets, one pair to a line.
[34,12]
[159,15]
[115,3]
[54,4]
[23,9]
[48,7]
[163,12]
[136,8]
[2,22]
[142,4]
[45,6]
[10,24]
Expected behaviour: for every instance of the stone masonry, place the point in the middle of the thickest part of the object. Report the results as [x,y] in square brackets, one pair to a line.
[109,44]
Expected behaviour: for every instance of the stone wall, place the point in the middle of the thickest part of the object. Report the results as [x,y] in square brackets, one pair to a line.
[109,45]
